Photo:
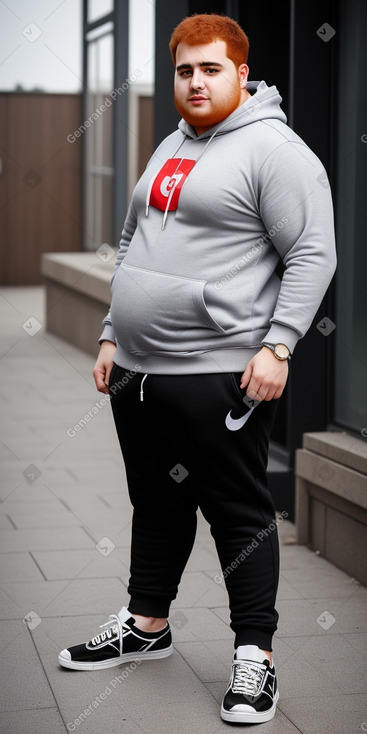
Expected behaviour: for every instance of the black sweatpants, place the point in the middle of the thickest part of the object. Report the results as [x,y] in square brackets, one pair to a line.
[183,449]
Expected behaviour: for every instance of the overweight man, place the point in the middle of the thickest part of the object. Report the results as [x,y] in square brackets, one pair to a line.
[195,351]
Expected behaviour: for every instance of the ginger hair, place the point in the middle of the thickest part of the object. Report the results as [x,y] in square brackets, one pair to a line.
[208,27]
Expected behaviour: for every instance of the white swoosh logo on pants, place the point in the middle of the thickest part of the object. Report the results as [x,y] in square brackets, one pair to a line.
[234,424]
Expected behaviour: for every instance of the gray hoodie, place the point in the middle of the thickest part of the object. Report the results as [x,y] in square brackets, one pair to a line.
[196,285]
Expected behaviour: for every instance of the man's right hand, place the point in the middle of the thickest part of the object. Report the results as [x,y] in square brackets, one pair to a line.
[103,366]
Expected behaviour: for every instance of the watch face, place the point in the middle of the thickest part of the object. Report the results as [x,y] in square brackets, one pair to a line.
[282,351]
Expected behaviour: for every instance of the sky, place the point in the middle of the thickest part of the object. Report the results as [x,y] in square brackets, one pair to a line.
[41,43]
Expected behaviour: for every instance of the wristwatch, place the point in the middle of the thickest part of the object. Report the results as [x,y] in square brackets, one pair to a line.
[280,351]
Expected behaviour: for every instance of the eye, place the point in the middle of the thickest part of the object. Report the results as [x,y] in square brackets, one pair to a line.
[212,70]
[186,72]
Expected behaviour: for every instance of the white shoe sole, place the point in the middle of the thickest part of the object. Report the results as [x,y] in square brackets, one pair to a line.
[113,662]
[246,717]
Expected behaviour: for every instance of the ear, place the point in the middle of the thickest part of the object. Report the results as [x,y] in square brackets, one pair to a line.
[243,72]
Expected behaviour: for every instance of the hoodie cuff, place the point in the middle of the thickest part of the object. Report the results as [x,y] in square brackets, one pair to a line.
[279,334]
[108,334]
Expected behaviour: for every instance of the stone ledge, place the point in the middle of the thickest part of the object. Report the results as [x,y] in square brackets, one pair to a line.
[78,296]
[337,478]
[340,447]
[331,499]
[82,271]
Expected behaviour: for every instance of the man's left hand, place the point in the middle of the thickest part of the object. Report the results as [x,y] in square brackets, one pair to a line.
[265,376]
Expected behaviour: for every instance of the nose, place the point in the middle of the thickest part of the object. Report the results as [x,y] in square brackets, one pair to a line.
[197,79]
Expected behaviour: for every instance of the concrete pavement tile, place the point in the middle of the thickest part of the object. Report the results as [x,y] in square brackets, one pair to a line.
[44,539]
[117,533]
[43,517]
[207,664]
[23,682]
[85,493]
[286,590]
[300,556]
[32,496]
[223,650]
[103,717]
[358,641]
[205,541]
[203,559]
[55,598]
[338,661]
[23,496]
[189,625]
[329,714]
[33,449]
[18,567]
[222,612]
[14,506]
[351,614]
[5,523]
[9,609]
[81,563]
[298,677]
[294,644]
[198,589]
[316,582]
[40,721]
[282,650]
[89,474]
[102,522]
[116,499]
[299,617]
[122,539]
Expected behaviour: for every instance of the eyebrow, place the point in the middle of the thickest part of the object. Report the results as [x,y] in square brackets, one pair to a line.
[202,63]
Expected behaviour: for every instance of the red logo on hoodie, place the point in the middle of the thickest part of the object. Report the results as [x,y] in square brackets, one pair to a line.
[167,185]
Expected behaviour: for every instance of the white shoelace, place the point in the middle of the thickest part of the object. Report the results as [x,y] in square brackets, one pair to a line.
[248,677]
[115,626]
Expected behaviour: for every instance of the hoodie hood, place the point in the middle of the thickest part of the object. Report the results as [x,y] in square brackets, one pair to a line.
[264,104]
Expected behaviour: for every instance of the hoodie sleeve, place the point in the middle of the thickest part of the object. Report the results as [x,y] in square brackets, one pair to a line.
[108,333]
[294,188]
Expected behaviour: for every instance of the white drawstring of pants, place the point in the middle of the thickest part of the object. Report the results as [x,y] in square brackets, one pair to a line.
[142,388]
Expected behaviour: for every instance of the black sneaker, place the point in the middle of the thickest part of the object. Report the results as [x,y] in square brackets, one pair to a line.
[252,694]
[121,642]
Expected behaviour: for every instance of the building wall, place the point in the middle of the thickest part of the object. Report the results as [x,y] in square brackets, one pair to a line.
[40,183]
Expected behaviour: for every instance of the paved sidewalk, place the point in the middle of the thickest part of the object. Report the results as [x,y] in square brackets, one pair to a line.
[63,491]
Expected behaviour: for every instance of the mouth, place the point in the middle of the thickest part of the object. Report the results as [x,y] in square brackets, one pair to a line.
[198,99]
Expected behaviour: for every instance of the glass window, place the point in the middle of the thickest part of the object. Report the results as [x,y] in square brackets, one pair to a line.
[141,92]
[98,8]
[350,395]
[99,170]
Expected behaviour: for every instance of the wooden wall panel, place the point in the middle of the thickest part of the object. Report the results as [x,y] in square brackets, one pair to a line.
[40,182]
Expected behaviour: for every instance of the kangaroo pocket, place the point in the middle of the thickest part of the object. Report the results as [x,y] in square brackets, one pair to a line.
[155,312]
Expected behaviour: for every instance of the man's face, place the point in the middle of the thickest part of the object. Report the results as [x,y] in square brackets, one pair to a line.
[208,87]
